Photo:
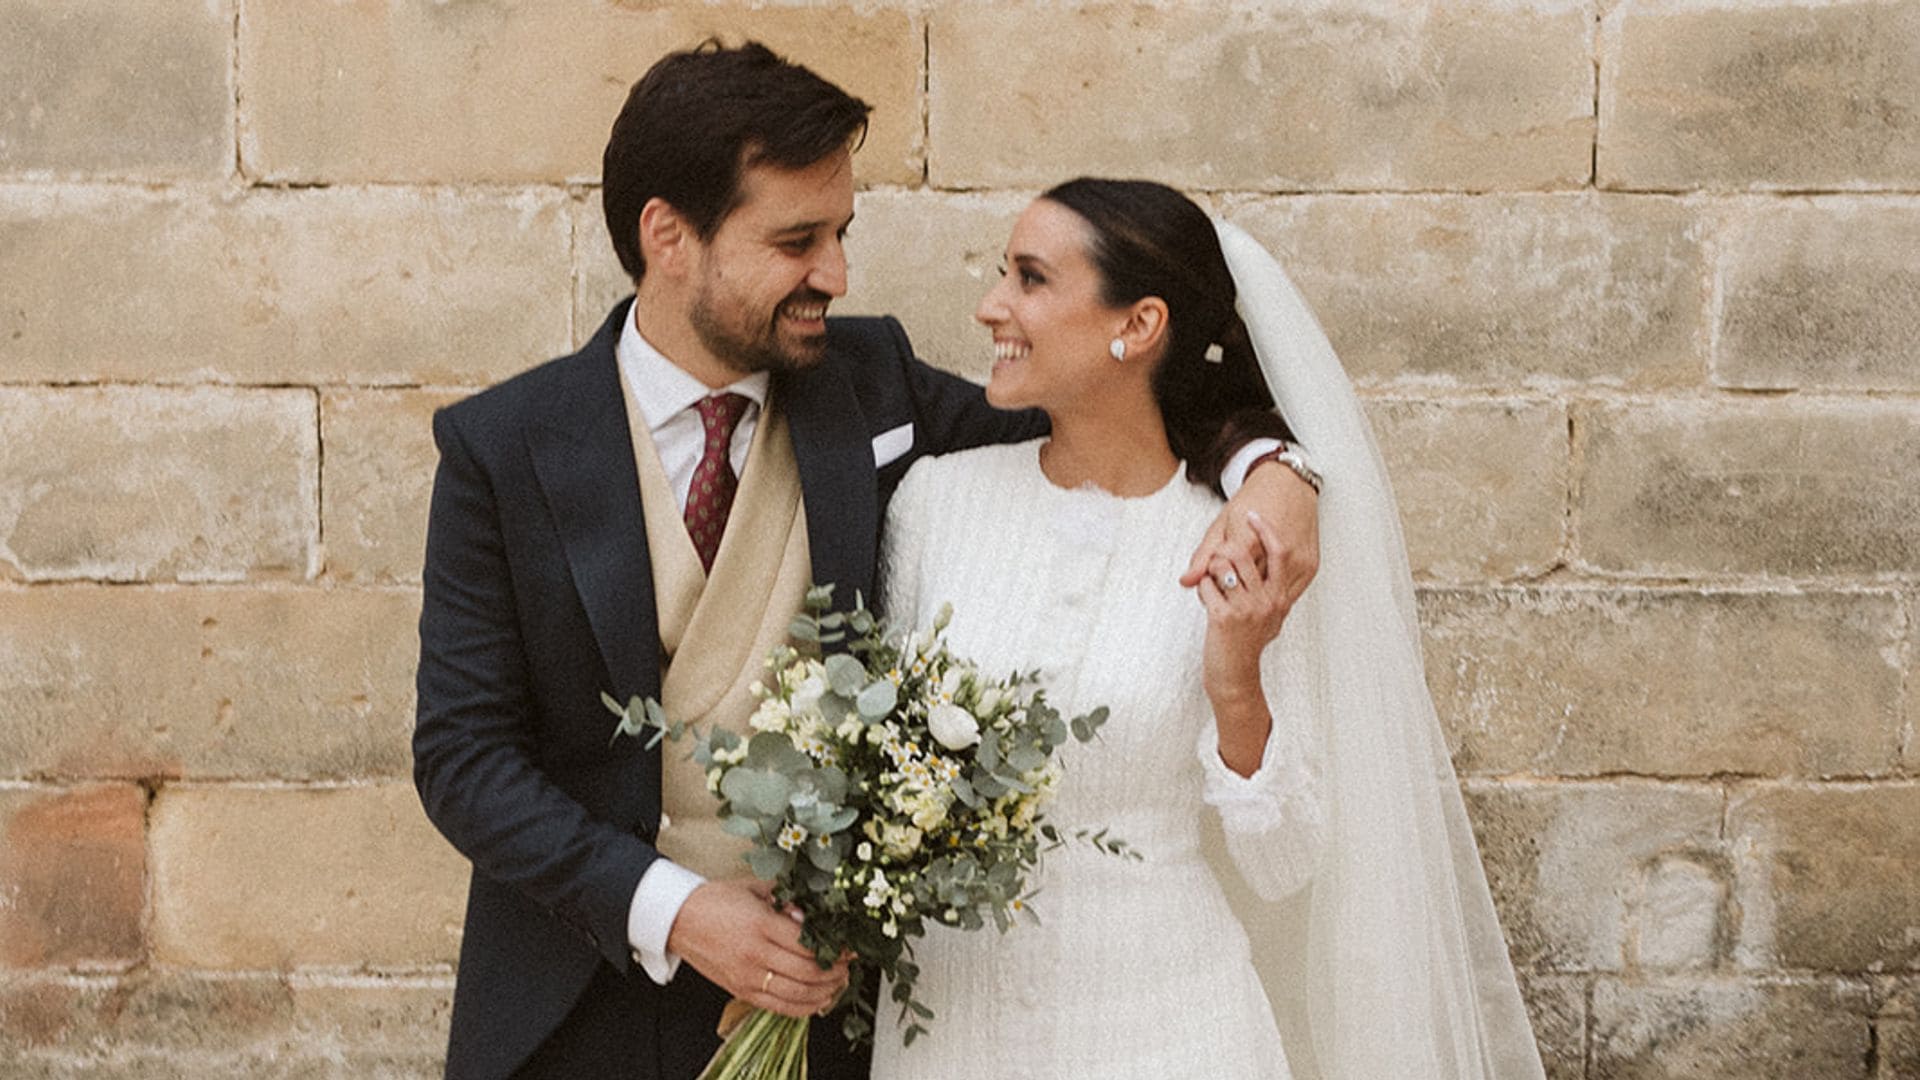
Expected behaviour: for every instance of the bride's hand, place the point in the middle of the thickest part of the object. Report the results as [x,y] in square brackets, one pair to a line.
[1244,614]
[1288,557]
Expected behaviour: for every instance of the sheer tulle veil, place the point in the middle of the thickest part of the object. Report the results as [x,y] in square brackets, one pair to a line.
[1391,964]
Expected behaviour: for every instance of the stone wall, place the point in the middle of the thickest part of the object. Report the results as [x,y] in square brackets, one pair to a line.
[1631,287]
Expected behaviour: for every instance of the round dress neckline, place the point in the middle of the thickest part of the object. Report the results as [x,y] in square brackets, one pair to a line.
[1090,488]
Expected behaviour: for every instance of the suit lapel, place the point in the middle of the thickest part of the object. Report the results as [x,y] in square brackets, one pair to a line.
[583,455]
[836,479]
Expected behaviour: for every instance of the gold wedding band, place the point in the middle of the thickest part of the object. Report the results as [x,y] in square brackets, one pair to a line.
[766,982]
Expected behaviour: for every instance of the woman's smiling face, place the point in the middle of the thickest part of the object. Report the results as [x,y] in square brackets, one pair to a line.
[1051,327]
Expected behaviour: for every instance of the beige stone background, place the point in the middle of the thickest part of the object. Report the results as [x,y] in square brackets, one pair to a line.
[1633,291]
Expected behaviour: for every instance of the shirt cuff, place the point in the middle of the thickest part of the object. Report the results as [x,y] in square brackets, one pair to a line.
[1235,474]
[656,903]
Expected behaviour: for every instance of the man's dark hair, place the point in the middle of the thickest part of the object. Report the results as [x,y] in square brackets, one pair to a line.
[697,119]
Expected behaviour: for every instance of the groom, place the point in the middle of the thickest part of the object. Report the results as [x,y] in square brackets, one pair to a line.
[643,518]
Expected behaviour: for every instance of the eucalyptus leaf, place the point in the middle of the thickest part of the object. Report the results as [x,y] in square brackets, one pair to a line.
[741,826]
[877,700]
[768,863]
[759,792]
[845,675]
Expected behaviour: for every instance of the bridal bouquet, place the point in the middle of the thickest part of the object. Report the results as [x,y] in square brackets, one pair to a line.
[884,787]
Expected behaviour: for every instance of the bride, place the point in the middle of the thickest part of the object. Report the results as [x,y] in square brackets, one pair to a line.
[1314,743]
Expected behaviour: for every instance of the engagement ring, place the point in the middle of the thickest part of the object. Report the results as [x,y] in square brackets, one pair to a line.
[764,983]
[1231,581]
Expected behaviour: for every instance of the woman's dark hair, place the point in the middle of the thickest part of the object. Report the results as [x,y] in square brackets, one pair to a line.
[1150,240]
[697,119]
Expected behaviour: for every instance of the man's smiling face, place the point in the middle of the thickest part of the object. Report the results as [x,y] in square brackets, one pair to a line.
[765,278]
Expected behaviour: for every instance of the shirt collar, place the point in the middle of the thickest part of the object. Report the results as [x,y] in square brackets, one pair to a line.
[662,388]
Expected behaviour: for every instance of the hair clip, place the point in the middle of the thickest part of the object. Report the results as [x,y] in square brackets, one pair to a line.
[1215,353]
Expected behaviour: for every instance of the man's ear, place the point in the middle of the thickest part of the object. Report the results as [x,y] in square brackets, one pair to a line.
[666,237]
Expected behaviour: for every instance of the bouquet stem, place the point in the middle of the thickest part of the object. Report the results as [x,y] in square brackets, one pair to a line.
[762,1046]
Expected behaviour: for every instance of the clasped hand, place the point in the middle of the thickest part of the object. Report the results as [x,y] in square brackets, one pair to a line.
[731,933]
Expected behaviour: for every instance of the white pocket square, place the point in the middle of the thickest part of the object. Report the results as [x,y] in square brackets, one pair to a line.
[889,446]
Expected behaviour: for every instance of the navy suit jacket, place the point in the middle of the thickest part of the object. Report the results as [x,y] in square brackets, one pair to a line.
[538,596]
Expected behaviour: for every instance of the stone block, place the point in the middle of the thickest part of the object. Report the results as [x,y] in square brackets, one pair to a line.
[380,285]
[125,484]
[1338,96]
[1729,1029]
[1557,1005]
[72,876]
[1769,95]
[135,682]
[1787,487]
[928,259]
[432,92]
[1665,682]
[1827,876]
[353,877]
[1910,726]
[1499,291]
[1570,863]
[160,1026]
[1821,294]
[105,89]
[1897,1049]
[1482,486]
[378,478]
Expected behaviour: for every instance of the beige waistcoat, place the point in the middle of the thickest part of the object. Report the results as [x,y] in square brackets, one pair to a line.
[715,632]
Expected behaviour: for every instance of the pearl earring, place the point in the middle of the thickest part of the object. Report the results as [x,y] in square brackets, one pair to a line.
[1118,349]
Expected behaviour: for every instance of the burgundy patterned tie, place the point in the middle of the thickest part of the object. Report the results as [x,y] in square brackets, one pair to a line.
[711,496]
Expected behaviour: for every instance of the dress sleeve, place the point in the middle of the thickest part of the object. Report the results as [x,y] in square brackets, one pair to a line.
[902,543]
[1275,821]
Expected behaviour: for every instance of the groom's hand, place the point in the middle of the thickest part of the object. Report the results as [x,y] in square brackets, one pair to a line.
[1289,507]
[729,932]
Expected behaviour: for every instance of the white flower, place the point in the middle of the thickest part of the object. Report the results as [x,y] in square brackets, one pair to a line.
[989,701]
[954,726]
[792,836]
[806,696]
[864,852]
[772,715]
[950,683]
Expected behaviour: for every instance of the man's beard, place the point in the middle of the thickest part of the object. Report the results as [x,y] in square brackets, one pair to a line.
[749,350]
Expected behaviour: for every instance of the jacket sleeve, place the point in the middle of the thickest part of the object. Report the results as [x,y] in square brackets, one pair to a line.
[951,413]
[475,762]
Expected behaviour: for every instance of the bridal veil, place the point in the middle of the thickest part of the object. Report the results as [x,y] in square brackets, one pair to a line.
[1391,964]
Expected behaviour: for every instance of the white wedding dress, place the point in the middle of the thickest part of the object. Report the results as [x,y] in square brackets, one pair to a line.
[1137,969]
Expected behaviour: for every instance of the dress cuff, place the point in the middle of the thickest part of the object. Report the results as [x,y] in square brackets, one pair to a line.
[1235,473]
[1250,804]
[656,903]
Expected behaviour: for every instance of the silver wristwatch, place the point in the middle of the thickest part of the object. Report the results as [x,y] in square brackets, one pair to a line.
[1294,457]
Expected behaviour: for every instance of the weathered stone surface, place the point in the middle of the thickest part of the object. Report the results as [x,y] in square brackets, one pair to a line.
[1666,682]
[99,88]
[1346,95]
[351,876]
[1819,294]
[928,259]
[206,682]
[1770,95]
[379,285]
[1557,1005]
[129,484]
[1729,1029]
[599,282]
[1569,865]
[380,458]
[1910,730]
[1827,876]
[1482,486]
[72,876]
[189,1025]
[1498,291]
[421,91]
[1775,487]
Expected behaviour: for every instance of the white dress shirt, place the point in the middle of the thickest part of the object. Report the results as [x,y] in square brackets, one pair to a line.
[667,398]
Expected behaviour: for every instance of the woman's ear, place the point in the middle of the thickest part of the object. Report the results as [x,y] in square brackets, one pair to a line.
[1145,330]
